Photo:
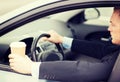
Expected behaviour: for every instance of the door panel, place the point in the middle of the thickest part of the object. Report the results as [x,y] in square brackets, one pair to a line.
[90,32]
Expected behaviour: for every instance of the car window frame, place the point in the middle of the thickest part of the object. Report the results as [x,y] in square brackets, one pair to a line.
[46,10]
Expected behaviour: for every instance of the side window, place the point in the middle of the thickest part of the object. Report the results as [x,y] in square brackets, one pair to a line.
[57,22]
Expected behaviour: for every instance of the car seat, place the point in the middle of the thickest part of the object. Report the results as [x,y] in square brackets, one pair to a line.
[115,74]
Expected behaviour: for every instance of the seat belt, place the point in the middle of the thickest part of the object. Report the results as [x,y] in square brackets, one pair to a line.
[115,74]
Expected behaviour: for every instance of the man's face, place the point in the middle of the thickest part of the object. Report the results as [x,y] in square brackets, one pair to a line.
[114,27]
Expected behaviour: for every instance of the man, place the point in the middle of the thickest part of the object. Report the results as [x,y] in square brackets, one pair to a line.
[75,71]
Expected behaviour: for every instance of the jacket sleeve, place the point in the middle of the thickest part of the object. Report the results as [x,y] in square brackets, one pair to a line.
[77,71]
[93,49]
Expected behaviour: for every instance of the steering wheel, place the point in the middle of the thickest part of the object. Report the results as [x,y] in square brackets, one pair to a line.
[46,55]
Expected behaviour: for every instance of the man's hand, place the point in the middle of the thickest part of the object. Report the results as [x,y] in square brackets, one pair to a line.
[54,37]
[20,64]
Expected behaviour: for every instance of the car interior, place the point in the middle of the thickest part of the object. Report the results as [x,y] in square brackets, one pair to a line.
[85,24]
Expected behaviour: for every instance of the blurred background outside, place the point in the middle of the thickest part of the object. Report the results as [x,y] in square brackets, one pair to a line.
[9,5]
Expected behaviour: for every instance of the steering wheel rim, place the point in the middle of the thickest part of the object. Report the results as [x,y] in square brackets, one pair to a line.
[34,44]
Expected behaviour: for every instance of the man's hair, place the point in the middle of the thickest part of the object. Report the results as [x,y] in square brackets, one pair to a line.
[117,7]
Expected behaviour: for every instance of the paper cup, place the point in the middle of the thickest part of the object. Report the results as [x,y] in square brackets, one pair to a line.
[18,48]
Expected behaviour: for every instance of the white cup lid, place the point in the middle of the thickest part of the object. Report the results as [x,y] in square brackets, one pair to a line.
[17,44]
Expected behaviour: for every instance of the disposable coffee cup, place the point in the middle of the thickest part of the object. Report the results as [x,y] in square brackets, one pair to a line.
[18,48]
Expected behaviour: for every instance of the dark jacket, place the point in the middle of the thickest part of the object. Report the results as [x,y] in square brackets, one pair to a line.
[80,70]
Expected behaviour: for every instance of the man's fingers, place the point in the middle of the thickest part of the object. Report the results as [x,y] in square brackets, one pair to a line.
[12,67]
[11,60]
[43,39]
[11,56]
[11,64]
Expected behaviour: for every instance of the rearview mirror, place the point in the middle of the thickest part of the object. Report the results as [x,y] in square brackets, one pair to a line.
[91,13]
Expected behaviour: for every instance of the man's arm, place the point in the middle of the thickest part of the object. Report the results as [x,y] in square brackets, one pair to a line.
[75,71]
[93,49]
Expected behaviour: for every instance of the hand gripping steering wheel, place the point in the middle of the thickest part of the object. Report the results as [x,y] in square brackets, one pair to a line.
[46,56]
